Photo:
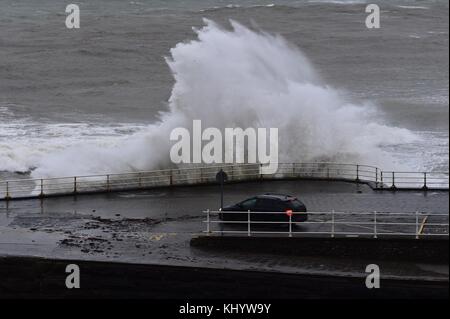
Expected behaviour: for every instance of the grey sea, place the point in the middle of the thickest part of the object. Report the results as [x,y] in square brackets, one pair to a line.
[109,80]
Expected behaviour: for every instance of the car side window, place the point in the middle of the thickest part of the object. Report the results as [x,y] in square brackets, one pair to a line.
[264,204]
[249,203]
[279,206]
[270,205]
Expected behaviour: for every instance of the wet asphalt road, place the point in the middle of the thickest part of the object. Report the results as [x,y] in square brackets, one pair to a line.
[192,200]
[155,226]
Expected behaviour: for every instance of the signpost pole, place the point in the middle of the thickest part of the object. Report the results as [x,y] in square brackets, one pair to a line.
[221,193]
[221,177]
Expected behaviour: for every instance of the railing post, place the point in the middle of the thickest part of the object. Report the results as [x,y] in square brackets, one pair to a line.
[376,177]
[75,184]
[382,181]
[42,188]
[201,175]
[393,180]
[208,229]
[375,224]
[7,197]
[290,225]
[417,225]
[425,181]
[357,173]
[248,221]
[332,223]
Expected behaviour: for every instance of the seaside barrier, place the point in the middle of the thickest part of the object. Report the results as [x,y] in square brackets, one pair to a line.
[197,175]
[331,224]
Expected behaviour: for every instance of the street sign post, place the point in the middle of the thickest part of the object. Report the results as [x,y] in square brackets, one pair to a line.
[221,177]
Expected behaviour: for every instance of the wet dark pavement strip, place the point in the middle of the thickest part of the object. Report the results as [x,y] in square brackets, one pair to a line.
[44,278]
[155,227]
[191,200]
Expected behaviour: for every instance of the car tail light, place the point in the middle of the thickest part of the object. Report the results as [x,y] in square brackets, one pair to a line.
[289,212]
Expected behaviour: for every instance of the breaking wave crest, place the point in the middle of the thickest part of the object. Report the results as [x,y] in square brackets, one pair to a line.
[239,77]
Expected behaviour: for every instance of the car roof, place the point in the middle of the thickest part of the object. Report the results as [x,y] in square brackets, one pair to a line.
[283,197]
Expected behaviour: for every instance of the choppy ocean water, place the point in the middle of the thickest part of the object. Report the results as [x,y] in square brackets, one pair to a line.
[93,95]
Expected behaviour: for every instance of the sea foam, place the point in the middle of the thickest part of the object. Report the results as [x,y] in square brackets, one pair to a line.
[239,77]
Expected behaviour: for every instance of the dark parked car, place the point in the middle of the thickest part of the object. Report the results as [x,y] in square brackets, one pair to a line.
[264,205]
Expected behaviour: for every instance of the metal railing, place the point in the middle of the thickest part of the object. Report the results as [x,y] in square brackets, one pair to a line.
[332,224]
[424,180]
[373,176]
